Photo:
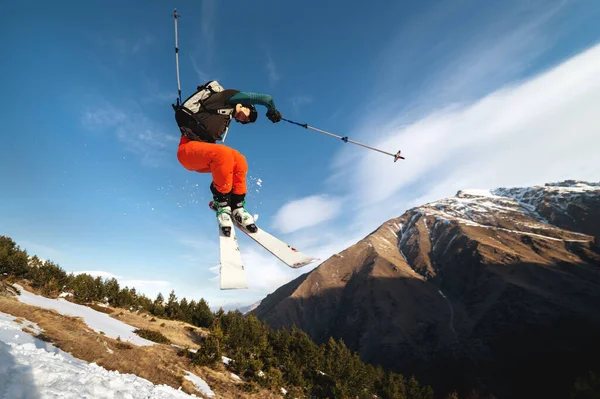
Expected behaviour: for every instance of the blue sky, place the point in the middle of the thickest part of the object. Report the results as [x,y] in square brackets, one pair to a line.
[476,94]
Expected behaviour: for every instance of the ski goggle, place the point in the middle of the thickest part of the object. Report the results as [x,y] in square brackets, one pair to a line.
[252,117]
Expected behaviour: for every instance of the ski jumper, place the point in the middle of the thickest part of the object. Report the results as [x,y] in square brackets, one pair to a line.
[203,154]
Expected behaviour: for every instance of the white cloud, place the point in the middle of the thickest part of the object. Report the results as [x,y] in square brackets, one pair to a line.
[139,133]
[307,212]
[97,273]
[536,131]
[263,270]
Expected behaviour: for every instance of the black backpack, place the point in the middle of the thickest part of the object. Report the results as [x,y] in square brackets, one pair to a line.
[185,114]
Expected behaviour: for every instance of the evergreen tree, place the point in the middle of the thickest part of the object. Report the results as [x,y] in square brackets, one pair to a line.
[100,294]
[47,276]
[13,260]
[84,288]
[34,264]
[184,311]
[158,307]
[111,290]
[209,353]
[586,387]
[172,307]
[202,316]
[134,298]
[125,298]
[391,385]
[144,303]
[416,391]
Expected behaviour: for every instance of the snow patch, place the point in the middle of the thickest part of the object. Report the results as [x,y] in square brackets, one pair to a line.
[200,384]
[97,321]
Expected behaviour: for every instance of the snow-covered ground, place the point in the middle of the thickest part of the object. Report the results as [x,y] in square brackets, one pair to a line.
[33,369]
[200,384]
[97,321]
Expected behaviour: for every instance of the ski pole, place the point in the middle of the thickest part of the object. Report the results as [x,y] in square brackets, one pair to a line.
[345,139]
[175,15]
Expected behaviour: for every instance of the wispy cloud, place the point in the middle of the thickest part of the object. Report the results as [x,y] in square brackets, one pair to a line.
[272,69]
[300,101]
[209,10]
[466,60]
[508,131]
[124,47]
[139,134]
[202,76]
[306,212]
[42,251]
[529,133]
[156,93]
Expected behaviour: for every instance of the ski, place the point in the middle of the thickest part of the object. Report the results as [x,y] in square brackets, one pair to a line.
[284,252]
[232,272]
[281,250]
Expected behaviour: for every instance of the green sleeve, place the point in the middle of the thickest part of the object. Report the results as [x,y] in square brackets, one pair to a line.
[253,98]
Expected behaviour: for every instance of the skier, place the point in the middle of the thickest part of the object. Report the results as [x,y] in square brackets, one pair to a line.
[199,151]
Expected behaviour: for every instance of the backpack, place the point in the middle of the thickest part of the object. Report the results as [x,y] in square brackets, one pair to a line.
[185,114]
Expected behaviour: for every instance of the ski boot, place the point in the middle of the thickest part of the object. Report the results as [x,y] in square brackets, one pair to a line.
[221,206]
[240,214]
[224,217]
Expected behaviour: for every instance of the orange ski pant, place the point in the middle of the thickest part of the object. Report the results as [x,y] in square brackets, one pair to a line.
[228,166]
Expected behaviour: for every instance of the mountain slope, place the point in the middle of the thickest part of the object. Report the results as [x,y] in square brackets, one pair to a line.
[477,290]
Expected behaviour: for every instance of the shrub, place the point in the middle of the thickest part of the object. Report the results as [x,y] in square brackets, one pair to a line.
[123,345]
[154,336]
[99,308]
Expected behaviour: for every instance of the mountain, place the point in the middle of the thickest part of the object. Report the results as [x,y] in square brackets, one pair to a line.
[497,291]
[243,308]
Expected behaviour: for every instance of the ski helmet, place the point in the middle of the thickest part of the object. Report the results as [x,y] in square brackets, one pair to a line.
[253,114]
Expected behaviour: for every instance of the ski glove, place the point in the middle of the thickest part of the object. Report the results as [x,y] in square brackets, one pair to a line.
[274,116]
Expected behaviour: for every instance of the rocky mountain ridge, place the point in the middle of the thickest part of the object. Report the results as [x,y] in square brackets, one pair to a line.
[465,292]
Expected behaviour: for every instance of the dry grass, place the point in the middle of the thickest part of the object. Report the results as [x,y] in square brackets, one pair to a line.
[178,332]
[158,364]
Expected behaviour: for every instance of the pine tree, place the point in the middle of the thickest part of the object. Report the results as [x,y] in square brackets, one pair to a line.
[158,307]
[172,307]
[416,391]
[84,288]
[184,310]
[144,303]
[202,316]
[111,290]
[99,290]
[125,298]
[13,260]
[209,353]
[391,385]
